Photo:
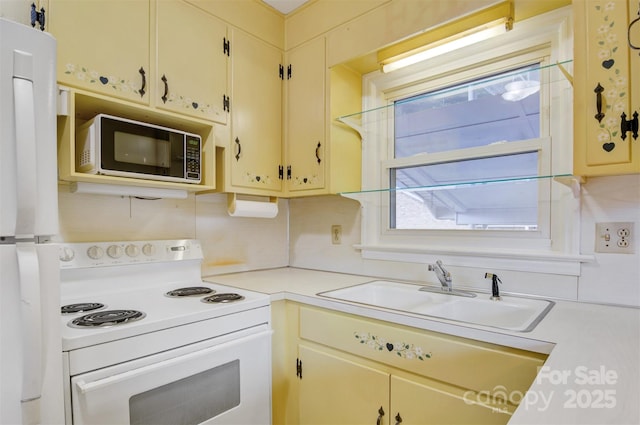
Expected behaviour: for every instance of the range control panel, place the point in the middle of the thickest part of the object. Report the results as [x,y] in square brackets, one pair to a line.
[101,254]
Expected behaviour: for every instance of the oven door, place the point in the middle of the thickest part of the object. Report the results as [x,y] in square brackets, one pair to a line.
[223,383]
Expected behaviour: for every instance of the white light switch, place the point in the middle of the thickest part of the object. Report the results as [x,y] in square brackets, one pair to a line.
[615,237]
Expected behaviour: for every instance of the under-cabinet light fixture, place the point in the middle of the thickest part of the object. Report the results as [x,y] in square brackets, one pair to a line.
[446,47]
[465,31]
[121,190]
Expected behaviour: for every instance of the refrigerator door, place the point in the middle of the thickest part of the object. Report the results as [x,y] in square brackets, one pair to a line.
[28,146]
[31,349]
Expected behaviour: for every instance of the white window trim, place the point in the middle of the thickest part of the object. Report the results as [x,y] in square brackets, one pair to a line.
[557,252]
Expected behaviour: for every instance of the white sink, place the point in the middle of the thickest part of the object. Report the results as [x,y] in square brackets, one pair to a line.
[510,313]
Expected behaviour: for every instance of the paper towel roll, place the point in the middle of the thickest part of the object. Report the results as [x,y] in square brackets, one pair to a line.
[257,209]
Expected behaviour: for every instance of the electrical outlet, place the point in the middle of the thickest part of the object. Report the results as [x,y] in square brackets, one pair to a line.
[615,237]
[336,234]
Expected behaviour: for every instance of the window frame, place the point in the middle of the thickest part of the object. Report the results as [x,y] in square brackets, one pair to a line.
[555,246]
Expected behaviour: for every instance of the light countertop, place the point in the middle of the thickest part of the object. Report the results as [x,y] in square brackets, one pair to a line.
[592,374]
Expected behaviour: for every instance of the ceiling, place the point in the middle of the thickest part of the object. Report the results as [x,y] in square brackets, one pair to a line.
[285,6]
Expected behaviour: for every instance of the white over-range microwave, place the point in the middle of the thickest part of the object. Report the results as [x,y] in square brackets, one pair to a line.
[121,147]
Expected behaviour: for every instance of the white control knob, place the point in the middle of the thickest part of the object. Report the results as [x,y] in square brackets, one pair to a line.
[132,250]
[148,249]
[95,252]
[66,254]
[115,251]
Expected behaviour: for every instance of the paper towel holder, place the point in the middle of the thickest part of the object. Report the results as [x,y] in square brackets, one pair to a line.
[252,206]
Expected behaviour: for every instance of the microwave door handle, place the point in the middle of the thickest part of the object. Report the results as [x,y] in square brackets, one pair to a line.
[31,315]
[25,125]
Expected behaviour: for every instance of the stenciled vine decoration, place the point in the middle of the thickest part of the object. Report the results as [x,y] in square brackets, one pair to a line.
[401,349]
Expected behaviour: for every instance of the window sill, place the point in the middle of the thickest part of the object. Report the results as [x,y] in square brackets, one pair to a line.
[522,260]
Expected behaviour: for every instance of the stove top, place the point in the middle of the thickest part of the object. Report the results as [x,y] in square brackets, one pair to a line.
[104,274]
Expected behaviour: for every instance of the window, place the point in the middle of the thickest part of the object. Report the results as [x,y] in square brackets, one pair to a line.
[459,151]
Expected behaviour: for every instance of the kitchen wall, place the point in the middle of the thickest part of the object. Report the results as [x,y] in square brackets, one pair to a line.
[300,236]
[230,244]
[609,278]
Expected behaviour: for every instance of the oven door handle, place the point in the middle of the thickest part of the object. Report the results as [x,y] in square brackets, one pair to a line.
[86,387]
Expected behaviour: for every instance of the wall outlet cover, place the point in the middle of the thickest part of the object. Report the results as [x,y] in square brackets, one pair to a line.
[615,237]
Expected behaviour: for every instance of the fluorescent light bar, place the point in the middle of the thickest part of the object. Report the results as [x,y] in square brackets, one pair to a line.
[119,190]
[446,47]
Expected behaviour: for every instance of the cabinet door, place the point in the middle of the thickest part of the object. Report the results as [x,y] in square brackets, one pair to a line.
[103,45]
[256,115]
[417,403]
[603,88]
[306,103]
[335,390]
[192,65]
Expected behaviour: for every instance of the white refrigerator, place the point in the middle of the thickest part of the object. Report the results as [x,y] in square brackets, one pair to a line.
[30,345]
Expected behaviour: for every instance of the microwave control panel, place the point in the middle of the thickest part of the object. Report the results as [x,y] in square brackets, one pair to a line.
[192,164]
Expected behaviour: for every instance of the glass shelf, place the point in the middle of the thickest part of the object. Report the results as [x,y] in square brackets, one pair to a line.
[569,180]
[512,86]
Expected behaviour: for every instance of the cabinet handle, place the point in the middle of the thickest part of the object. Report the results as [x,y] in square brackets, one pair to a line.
[398,419]
[318,153]
[629,125]
[166,89]
[599,89]
[631,24]
[144,82]
[380,416]
[239,149]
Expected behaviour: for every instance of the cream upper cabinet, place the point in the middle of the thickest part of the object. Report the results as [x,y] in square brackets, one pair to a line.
[606,88]
[254,149]
[103,46]
[192,56]
[305,89]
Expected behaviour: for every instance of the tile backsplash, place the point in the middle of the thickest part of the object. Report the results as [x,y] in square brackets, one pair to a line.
[300,237]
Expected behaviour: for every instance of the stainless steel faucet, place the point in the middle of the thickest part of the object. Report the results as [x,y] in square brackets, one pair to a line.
[443,275]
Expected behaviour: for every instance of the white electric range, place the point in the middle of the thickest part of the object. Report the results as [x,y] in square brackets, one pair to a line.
[145,340]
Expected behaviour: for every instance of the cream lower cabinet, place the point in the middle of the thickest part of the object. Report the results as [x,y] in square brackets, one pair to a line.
[606,88]
[336,390]
[354,370]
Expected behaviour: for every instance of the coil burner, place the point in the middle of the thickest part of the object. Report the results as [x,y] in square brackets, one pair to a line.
[190,291]
[222,298]
[80,308]
[106,318]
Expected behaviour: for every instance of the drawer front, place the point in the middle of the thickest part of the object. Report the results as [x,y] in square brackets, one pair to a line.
[470,364]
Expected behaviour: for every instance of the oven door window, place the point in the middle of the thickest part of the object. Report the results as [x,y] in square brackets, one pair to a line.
[189,401]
